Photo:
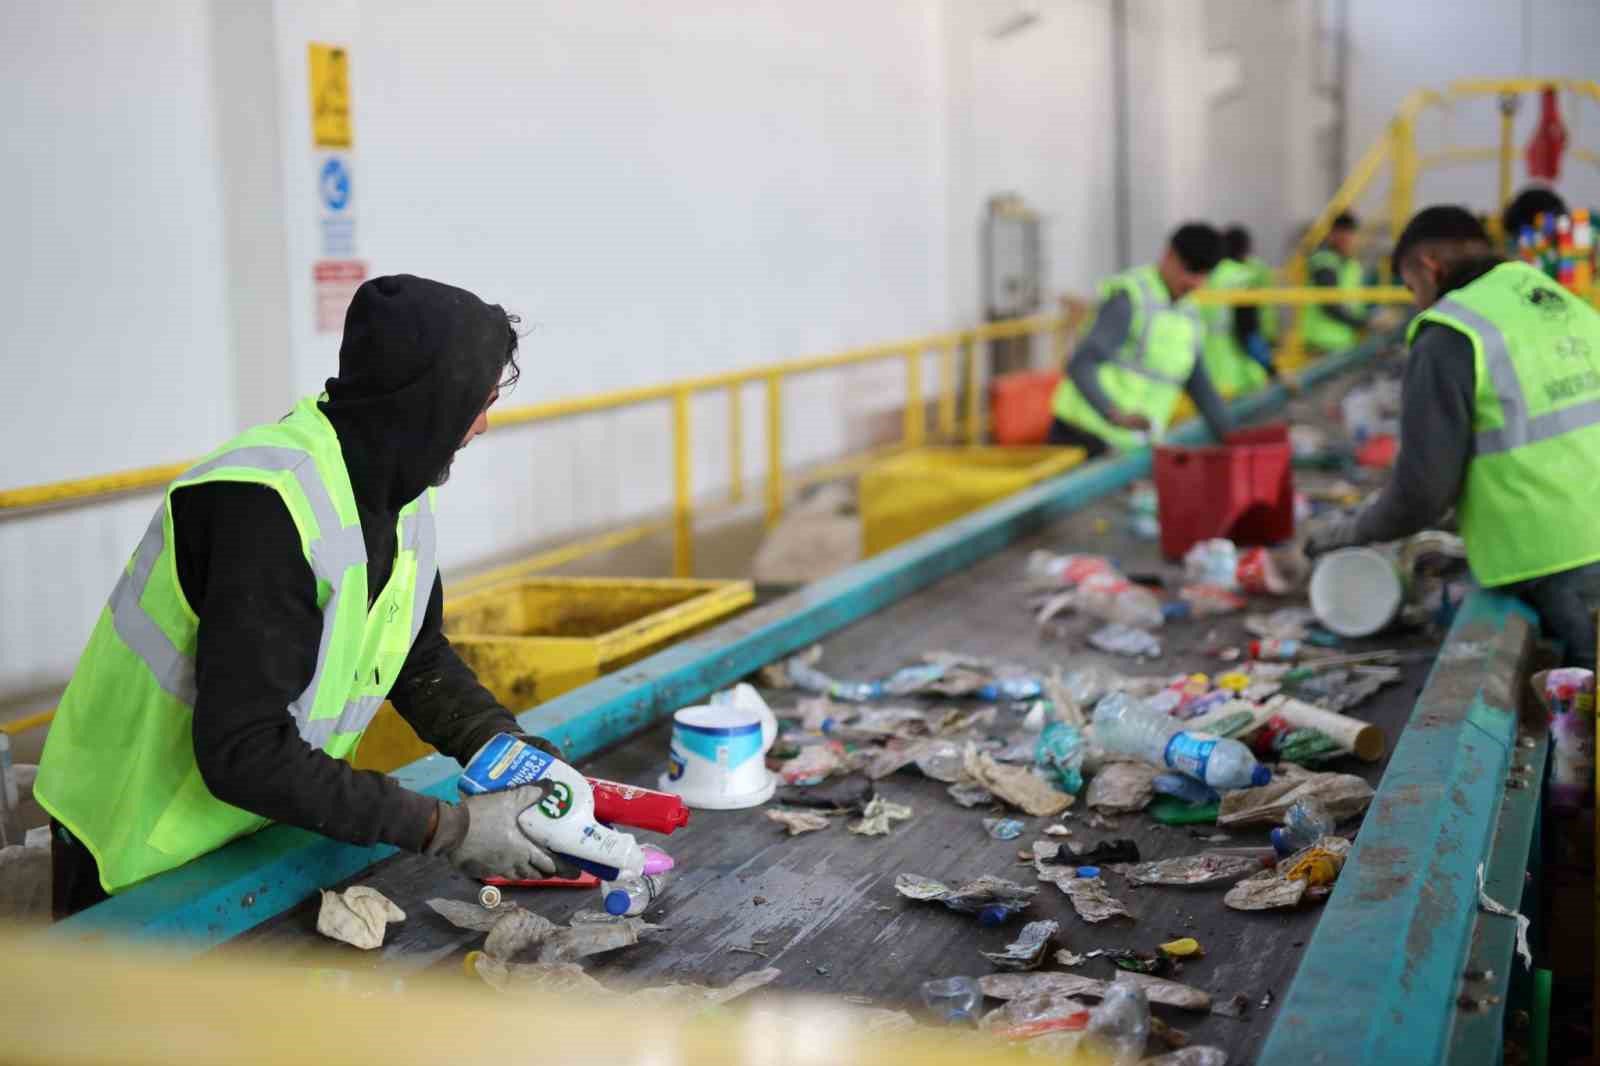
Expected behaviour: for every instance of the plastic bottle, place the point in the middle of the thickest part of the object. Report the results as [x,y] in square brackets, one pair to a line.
[1048,568]
[1275,651]
[640,808]
[1116,599]
[1123,726]
[1304,823]
[1121,1023]
[564,820]
[634,895]
[954,999]
[1185,788]
[993,914]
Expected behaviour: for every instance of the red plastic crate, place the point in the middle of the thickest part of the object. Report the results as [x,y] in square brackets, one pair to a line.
[1242,490]
[1019,406]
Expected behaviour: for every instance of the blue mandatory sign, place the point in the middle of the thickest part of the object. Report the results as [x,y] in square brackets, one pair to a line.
[334,184]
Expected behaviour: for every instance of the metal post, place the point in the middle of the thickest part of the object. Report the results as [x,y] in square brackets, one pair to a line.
[10,826]
[916,403]
[682,519]
[1508,118]
[947,391]
[735,445]
[774,449]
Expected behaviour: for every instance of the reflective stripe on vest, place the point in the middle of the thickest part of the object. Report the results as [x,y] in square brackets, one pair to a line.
[1136,358]
[336,549]
[1517,428]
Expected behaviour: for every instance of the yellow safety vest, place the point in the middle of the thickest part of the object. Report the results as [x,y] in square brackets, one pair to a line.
[118,768]
[1228,365]
[1317,328]
[1528,507]
[1151,368]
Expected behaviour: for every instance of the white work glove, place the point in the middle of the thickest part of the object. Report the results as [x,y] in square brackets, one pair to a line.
[481,838]
[1332,533]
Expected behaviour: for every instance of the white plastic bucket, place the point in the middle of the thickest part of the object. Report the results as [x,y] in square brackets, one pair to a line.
[1355,592]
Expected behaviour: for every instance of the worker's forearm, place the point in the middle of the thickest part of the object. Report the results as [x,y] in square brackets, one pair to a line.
[1112,321]
[1208,402]
[1336,310]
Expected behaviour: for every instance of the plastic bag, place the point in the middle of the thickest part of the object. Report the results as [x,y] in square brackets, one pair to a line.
[1060,754]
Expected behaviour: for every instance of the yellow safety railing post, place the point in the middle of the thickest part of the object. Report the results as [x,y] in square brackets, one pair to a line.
[735,445]
[974,391]
[1508,120]
[916,403]
[947,389]
[774,448]
[682,487]
[1403,172]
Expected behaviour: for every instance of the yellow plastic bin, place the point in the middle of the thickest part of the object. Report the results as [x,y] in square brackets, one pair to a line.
[908,494]
[529,641]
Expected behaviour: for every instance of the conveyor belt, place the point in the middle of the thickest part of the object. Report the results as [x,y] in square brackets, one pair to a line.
[823,906]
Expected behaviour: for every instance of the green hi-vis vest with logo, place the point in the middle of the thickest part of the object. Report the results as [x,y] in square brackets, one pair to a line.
[1150,369]
[1228,365]
[1319,329]
[118,768]
[1528,507]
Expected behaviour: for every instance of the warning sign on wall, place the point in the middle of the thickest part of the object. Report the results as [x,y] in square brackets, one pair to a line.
[330,96]
[334,282]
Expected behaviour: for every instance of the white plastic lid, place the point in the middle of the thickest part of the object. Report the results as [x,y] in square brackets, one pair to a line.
[1355,591]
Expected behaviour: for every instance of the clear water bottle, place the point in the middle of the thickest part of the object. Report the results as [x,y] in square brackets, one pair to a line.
[1120,1025]
[1185,788]
[1123,726]
[1304,823]
[1049,569]
[634,895]
[954,999]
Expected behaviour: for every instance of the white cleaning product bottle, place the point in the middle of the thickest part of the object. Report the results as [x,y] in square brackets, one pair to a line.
[563,820]
[1124,726]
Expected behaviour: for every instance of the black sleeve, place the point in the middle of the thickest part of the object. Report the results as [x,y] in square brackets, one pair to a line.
[241,567]
[439,695]
[1328,278]
[1111,324]
[1207,401]
[1246,323]
[1435,438]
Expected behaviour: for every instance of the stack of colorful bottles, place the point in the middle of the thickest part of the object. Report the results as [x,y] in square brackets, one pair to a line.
[1562,246]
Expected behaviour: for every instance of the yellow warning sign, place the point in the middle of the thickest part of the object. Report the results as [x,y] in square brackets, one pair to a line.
[330,96]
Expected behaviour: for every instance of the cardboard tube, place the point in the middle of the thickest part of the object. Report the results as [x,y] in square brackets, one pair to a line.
[1363,739]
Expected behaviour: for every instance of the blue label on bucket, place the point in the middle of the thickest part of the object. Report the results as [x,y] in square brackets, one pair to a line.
[505,762]
[675,764]
[1188,754]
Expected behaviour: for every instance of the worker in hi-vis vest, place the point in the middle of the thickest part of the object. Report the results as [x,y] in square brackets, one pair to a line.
[1333,327]
[1237,244]
[287,585]
[1237,357]
[1142,353]
[1501,419]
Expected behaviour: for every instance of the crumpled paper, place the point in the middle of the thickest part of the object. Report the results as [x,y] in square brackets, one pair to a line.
[687,995]
[538,977]
[592,938]
[797,822]
[1342,795]
[879,818]
[1157,989]
[357,916]
[1190,870]
[1194,1055]
[1265,891]
[1027,951]
[516,932]
[1121,786]
[970,896]
[1016,786]
[1091,900]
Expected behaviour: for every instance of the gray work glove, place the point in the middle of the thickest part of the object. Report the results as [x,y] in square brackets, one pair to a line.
[481,838]
[1332,533]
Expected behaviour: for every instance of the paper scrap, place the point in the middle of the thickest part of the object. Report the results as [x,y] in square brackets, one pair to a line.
[357,916]
[1495,907]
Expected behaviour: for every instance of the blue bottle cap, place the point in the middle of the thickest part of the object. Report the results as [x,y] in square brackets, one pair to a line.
[1088,871]
[1261,775]
[616,902]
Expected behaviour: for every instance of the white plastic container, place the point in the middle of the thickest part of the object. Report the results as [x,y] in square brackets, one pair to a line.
[1355,592]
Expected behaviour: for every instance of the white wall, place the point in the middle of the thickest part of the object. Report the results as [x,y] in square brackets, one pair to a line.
[1397,47]
[116,348]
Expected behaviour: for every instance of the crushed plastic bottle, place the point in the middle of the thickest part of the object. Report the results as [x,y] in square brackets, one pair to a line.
[1114,598]
[1049,569]
[1304,823]
[628,896]
[1086,685]
[954,999]
[1124,726]
[1119,639]
[1185,788]
[1120,1025]
[1213,562]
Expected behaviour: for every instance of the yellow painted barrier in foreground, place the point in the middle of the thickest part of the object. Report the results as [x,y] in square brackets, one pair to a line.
[64,1005]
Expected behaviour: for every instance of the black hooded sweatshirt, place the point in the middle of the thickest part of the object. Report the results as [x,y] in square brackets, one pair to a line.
[418,362]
